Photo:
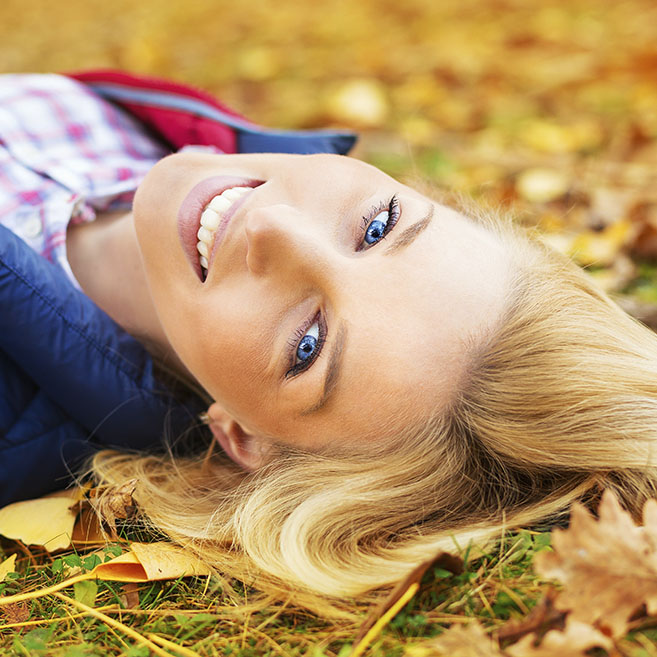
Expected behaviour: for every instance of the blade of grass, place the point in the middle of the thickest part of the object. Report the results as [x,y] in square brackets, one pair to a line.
[120,626]
[360,647]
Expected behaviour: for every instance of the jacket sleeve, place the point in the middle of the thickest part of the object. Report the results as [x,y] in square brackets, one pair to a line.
[86,366]
[40,445]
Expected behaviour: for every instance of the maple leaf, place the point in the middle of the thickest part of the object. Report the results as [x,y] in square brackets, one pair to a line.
[459,641]
[608,566]
[574,641]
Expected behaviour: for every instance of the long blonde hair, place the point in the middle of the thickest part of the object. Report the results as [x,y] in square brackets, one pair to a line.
[560,401]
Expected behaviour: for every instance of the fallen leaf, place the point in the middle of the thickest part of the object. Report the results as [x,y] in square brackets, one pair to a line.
[47,521]
[608,566]
[574,641]
[87,530]
[542,185]
[551,137]
[17,612]
[542,618]
[147,562]
[458,641]
[85,592]
[360,102]
[7,566]
[602,247]
[130,595]
[115,503]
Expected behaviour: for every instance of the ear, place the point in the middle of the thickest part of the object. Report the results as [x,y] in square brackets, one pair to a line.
[244,448]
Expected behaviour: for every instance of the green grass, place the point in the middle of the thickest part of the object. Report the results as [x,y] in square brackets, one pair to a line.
[198,614]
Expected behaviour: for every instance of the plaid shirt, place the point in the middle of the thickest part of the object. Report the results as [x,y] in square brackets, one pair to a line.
[65,154]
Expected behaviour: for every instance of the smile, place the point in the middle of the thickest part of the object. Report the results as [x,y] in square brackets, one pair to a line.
[204,215]
[214,214]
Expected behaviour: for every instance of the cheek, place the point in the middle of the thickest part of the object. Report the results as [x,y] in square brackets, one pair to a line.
[224,349]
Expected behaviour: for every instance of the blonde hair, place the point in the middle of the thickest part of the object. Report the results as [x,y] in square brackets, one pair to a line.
[560,401]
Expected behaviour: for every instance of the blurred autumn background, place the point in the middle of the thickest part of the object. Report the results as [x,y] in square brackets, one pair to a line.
[546,108]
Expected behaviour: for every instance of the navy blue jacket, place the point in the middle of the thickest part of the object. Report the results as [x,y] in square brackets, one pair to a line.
[72,380]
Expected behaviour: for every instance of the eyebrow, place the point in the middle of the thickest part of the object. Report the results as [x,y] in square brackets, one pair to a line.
[332,369]
[407,236]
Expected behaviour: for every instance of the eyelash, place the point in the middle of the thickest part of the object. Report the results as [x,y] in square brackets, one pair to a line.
[295,339]
[393,216]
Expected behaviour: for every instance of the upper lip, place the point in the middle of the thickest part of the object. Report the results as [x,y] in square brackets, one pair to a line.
[189,213]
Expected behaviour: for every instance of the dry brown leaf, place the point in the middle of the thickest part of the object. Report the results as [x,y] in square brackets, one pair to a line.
[130,595]
[18,612]
[608,566]
[574,641]
[116,503]
[543,617]
[458,641]
[87,530]
[443,560]
[7,566]
[47,521]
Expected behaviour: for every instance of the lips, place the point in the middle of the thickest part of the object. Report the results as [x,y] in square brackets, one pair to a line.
[189,214]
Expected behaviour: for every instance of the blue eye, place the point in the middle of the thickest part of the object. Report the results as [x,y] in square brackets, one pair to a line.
[306,344]
[379,222]
[377,228]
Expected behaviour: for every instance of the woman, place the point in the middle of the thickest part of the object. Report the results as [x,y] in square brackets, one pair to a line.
[384,374]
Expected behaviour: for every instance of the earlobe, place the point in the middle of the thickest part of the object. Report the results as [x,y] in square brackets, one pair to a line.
[242,447]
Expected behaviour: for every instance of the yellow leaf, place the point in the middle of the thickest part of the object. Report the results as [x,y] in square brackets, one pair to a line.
[542,185]
[258,64]
[551,137]
[147,562]
[362,102]
[46,521]
[7,566]
[602,247]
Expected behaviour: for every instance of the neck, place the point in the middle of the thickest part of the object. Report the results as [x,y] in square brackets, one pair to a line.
[105,258]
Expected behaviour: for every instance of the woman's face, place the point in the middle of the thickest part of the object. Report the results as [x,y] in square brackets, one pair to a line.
[337,303]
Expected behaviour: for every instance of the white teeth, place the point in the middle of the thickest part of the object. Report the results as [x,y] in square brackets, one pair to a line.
[235,192]
[211,218]
[204,235]
[202,248]
[219,204]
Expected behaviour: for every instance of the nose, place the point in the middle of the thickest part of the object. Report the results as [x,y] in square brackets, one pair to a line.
[280,239]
